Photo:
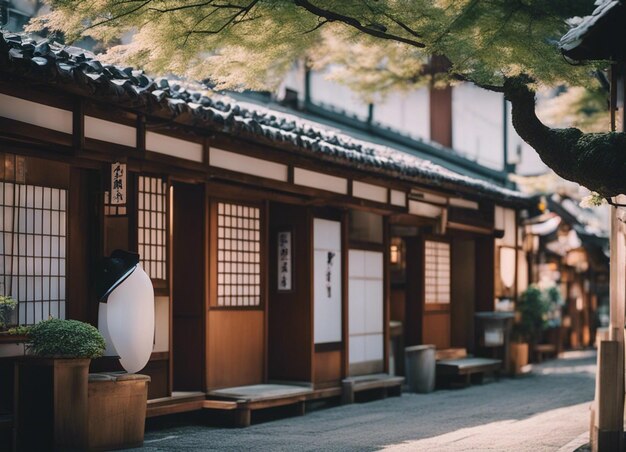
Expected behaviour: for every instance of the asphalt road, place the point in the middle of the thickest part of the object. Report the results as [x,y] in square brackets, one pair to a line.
[545,411]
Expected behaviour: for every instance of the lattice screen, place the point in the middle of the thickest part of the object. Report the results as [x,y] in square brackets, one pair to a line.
[238,255]
[436,272]
[152,226]
[33,230]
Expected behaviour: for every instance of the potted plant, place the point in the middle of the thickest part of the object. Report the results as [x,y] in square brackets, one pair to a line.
[52,409]
[530,319]
[7,306]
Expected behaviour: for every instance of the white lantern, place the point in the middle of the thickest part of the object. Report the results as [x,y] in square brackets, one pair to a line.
[130,320]
[507,266]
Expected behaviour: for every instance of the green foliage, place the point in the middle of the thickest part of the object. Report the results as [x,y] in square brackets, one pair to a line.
[66,339]
[19,330]
[7,306]
[372,45]
[531,319]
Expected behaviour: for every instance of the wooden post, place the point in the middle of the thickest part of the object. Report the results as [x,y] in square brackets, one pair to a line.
[608,410]
[608,420]
[607,415]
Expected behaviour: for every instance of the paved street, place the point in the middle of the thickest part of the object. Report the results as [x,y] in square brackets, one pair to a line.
[541,412]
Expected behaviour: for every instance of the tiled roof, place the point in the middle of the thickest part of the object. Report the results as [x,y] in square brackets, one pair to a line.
[597,36]
[78,71]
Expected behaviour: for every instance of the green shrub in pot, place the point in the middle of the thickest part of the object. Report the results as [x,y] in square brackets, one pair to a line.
[55,338]
[7,306]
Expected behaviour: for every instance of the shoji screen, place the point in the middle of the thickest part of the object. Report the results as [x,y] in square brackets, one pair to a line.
[436,272]
[366,310]
[33,226]
[152,226]
[238,255]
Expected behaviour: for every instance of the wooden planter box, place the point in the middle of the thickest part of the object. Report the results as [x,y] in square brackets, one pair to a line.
[51,404]
[117,410]
[518,357]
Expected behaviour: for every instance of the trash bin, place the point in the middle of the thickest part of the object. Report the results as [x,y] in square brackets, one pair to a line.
[420,368]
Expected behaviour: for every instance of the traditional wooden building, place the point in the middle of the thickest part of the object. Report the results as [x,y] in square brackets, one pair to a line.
[270,239]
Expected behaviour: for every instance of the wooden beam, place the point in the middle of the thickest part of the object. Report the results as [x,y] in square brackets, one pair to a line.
[78,126]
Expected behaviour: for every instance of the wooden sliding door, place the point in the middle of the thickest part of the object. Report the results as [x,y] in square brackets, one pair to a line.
[436,322]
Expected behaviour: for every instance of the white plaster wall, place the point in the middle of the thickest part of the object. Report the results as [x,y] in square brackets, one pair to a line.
[332,93]
[477,124]
[477,131]
[406,112]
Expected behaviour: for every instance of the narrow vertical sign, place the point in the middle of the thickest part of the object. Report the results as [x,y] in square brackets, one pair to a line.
[118,183]
[284,261]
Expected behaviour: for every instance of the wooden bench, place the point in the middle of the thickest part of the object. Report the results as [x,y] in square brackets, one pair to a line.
[385,384]
[258,397]
[453,363]
[543,351]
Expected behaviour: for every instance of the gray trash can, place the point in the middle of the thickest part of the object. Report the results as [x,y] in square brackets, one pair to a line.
[420,368]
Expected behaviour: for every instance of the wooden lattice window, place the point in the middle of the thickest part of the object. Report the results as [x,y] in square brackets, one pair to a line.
[436,272]
[33,229]
[238,255]
[152,226]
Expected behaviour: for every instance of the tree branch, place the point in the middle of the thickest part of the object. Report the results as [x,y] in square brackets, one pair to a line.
[332,16]
[595,160]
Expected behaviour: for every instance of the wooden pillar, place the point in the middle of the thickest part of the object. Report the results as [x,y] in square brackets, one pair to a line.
[608,410]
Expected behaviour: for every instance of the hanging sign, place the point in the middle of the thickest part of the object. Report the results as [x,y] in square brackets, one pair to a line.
[284,261]
[118,183]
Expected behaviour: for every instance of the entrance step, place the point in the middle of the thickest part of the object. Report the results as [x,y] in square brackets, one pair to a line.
[178,402]
[383,384]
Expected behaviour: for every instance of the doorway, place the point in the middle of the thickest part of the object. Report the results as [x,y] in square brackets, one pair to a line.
[188,273]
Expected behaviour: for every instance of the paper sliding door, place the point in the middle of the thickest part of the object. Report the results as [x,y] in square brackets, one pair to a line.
[366,295]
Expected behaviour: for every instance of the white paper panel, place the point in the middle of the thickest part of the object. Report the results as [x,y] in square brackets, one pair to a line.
[326,234]
[175,147]
[366,299]
[327,315]
[374,306]
[398,198]
[374,265]
[356,295]
[34,113]
[374,347]
[112,132]
[369,191]
[356,264]
[327,281]
[424,209]
[248,165]
[322,181]
[357,349]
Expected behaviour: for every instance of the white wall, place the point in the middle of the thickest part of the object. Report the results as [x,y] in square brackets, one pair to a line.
[406,112]
[332,93]
[477,124]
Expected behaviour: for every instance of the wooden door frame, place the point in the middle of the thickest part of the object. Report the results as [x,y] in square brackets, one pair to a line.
[379,248]
[428,308]
[171,181]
